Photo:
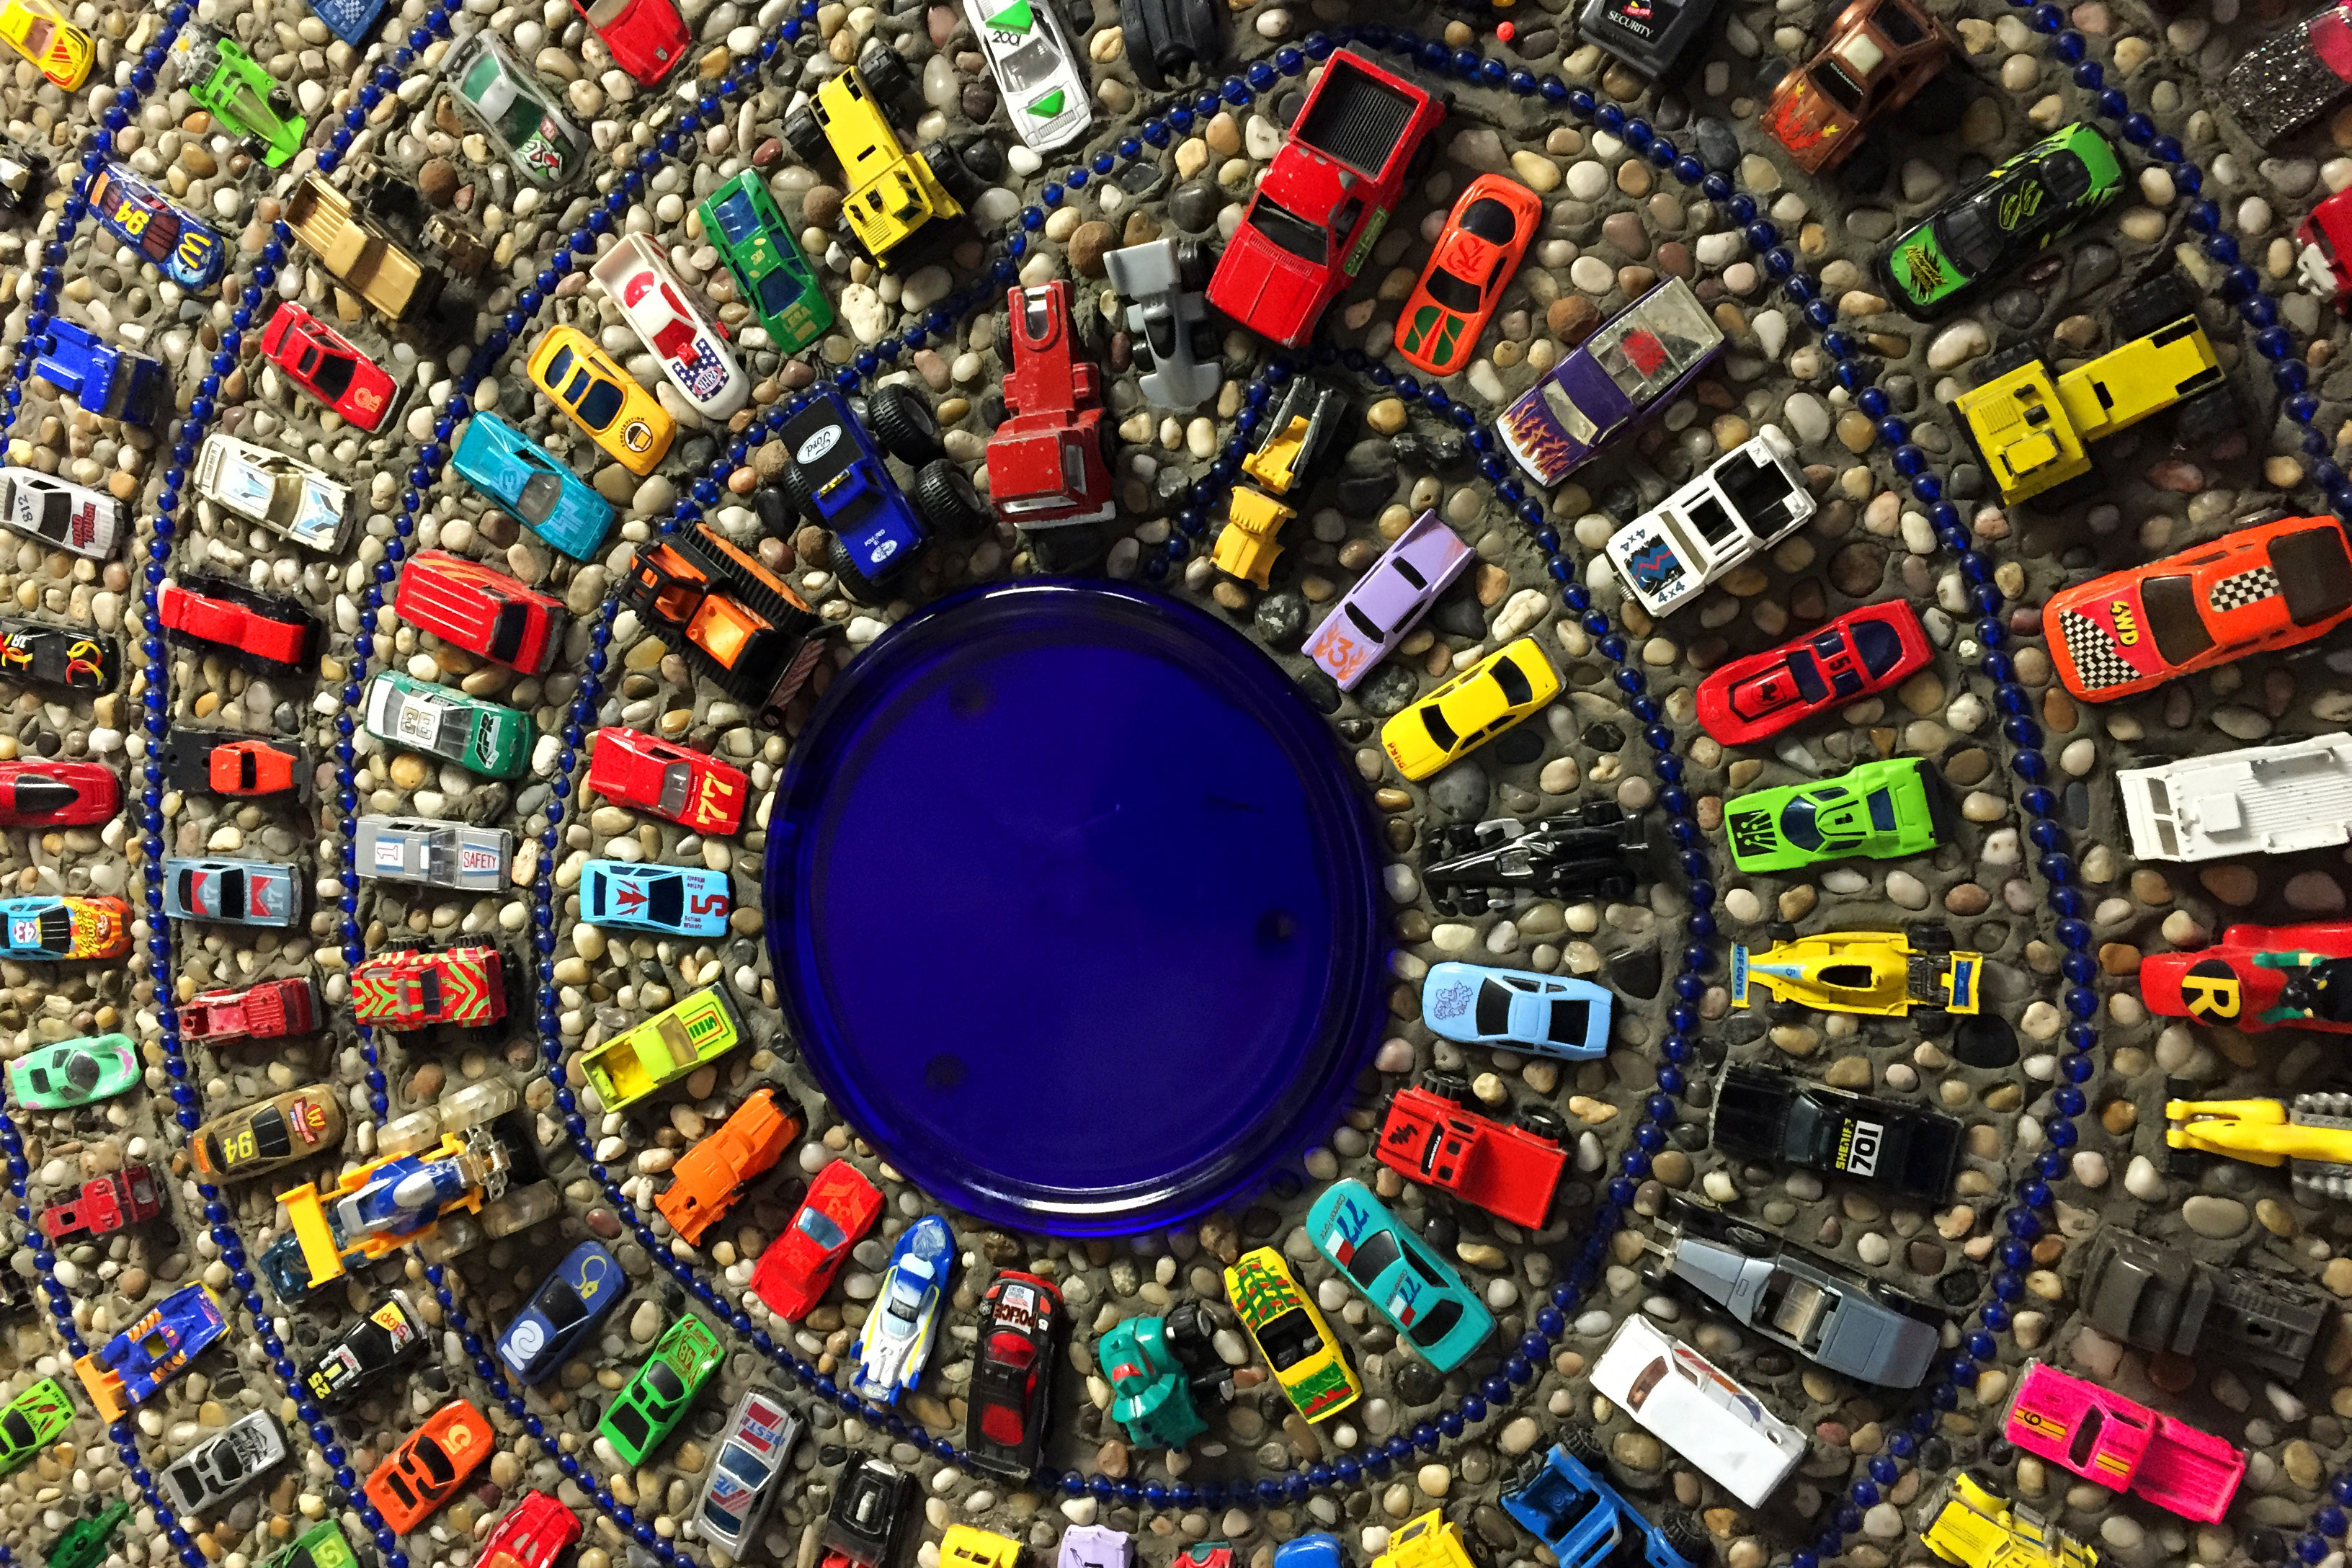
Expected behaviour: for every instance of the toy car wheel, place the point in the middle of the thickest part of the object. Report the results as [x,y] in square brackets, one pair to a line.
[1687,1535]
[885,71]
[845,234]
[1544,1122]
[1188,1324]
[803,498]
[475,1104]
[1057,550]
[1142,57]
[1202,27]
[1931,936]
[904,424]
[519,1209]
[2000,363]
[1195,263]
[945,497]
[1450,1086]
[846,570]
[805,136]
[407,1134]
[453,1238]
[1583,1443]
[1781,931]
[2205,418]
[961,167]
[2140,310]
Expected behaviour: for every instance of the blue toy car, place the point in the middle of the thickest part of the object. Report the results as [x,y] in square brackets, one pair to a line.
[1406,1283]
[1319,1550]
[676,900]
[235,892]
[183,248]
[566,1309]
[1550,1015]
[838,480]
[1563,1503]
[281,1263]
[512,470]
[352,20]
[148,1355]
[111,383]
[895,1340]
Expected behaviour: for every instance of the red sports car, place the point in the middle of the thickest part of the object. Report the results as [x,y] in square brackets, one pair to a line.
[318,360]
[691,788]
[1861,651]
[646,38]
[1431,1137]
[798,1266]
[1020,1326]
[2258,978]
[416,988]
[2272,585]
[57,794]
[1474,255]
[533,1534]
[232,616]
[262,1012]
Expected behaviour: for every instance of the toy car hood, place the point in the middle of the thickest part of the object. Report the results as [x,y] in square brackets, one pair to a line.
[678,330]
[1275,291]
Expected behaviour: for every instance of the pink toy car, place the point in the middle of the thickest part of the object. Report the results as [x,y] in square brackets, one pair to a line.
[2097,1432]
[2325,263]
[1387,602]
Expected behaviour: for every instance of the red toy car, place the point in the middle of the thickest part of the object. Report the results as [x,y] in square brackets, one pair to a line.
[263,1012]
[691,788]
[424,1472]
[106,1204]
[416,988]
[229,616]
[1476,252]
[1325,198]
[533,1534]
[2246,980]
[646,38]
[798,1266]
[1021,1321]
[318,360]
[1861,651]
[57,794]
[2272,585]
[236,766]
[1045,464]
[1511,1171]
[481,609]
[2326,239]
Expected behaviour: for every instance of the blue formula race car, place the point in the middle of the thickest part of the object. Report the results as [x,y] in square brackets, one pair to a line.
[895,1340]
[512,470]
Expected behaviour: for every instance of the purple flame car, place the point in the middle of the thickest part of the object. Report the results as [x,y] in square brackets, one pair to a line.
[1636,363]
[1388,600]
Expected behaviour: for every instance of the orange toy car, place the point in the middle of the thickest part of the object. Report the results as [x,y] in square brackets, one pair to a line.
[424,1472]
[705,1184]
[2272,585]
[1879,54]
[1474,255]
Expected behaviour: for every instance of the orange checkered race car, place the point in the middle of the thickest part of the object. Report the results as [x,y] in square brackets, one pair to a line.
[2272,585]
[416,988]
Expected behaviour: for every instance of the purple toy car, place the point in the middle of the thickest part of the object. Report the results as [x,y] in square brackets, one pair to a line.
[1095,1546]
[1387,600]
[1635,362]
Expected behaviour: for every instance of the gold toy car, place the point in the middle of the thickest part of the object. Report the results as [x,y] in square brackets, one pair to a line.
[1281,1321]
[1978,1528]
[1470,709]
[628,422]
[39,31]
[359,253]
[1883,974]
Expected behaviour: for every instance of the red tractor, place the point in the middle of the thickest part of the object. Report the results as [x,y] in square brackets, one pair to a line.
[261,1012]
[1047,473]
[105,1205]
[1430,1136]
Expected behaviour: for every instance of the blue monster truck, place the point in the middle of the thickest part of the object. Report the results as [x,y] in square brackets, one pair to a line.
[837,479]
[1562,1502]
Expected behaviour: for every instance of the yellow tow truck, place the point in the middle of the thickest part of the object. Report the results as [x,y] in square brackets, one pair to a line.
[894,194]
[1296,434]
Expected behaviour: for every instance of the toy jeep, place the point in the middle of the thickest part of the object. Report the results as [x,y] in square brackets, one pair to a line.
[1293,441]
[896,196]
[838,480]
[1582,854]
[1175,341]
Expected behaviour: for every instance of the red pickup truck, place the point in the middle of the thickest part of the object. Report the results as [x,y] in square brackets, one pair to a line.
[1431,1137]
[262,1012]
[1325,198]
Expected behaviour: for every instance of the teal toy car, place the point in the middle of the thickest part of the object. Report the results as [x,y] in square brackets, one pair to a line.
[740,220]
[515,471]
[650,1404]
[1161,1372]
[1882,810]
[230,85]
[477,734]
[1416,1290]
[74,1072]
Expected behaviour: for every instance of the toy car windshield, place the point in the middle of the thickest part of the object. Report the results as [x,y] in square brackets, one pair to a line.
[1655,342]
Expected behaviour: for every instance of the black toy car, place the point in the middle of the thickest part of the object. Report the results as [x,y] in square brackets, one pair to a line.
[1167,40]
[870,1508]
[1585,853]
[66,657]
[376,1344]
[1650,36]
[2289,79]
[2156,1298]
[1765,1115]
[1021,1324]
[224,762]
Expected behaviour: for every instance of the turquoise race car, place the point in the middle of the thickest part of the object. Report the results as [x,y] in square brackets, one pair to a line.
[1883,810]
[74,1072]
[555,503]
[1406,1283]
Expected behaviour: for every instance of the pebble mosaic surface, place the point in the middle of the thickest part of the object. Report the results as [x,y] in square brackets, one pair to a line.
[2063,1103]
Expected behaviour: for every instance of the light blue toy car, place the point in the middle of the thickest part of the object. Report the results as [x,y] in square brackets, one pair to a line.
[510,468]
[1550,1015]
[675,900]
[895,1340]
[235,893]
[1406,1283]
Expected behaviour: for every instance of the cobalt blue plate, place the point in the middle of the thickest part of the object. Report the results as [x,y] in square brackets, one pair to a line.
[1074,904]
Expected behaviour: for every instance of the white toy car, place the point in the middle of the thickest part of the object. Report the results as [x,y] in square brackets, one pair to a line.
[1036,68]
[895,1340]
[1748,501]
[438,854]
[659,309]
[225,1464]
[1697,1411]
[758,1441]
[273,491]
[70,517]
[2256,800]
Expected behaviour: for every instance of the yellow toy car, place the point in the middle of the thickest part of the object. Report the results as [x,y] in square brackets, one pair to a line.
[663,1049]
[358,253]
[1976,1528]
[967,1546]
[1470,709]
[2032,426]
[1246,546]
[1882,973]
[628,422]
[2315,1133]
[39,31]
[893,193]
[1282,1322]
[1296,434]
[1428,1541]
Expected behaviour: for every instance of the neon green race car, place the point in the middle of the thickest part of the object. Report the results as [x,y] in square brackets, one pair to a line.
[650,1404]
[1883,810]
[2000,220]
[740,221]
[231,86]
[31,1421]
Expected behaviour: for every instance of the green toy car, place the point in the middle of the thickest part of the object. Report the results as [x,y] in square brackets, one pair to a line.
[2000,220]
[31,1421]
[1883,810]
[1161,1370]
[651,1403]
[74,1072]
[87,1543]
[477,734]
[231,86]
[740,220]
[323,1545]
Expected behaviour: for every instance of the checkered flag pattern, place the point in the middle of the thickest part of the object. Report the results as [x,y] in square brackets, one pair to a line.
[2093,652]
[2245,588]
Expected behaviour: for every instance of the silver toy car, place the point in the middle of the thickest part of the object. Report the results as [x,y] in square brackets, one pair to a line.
[225,1464]
[518,115]
[438,854]
[73,518]
[758,1441]
[1176,344]
[235,893]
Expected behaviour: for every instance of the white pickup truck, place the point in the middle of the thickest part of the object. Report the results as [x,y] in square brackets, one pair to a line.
[1753,497]
[2258,800]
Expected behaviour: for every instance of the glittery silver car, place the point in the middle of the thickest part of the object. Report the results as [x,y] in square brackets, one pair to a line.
[225,1464]
[438,854]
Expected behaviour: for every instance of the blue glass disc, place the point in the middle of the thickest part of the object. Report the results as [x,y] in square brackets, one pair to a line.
[1074,905]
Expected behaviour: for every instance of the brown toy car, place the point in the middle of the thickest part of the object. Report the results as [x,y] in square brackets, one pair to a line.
[359,253]
[1879,55]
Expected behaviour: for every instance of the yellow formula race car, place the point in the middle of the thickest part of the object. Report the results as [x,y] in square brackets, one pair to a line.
[1978,1528]
[39,31]
[2312,1136]
[1470,709]
[1883,974]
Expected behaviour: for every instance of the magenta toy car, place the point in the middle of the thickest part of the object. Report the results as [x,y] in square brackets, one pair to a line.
[2097,1432]
[1388,600]
[1635,363]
